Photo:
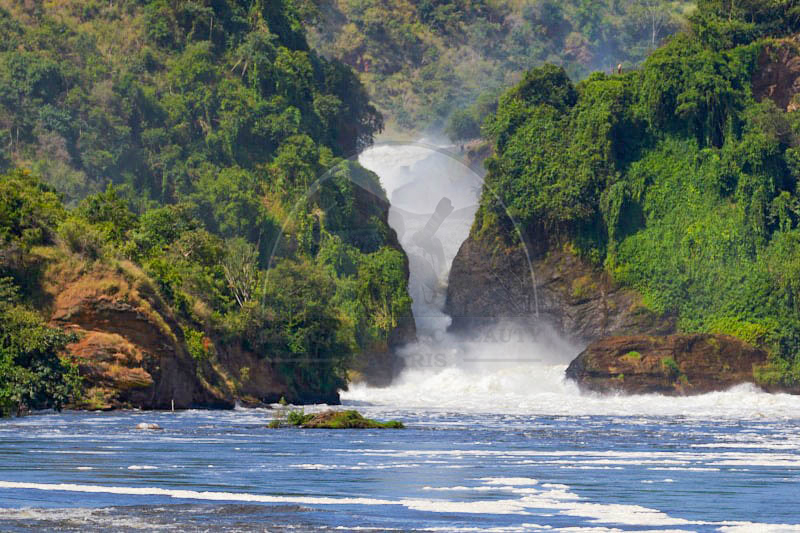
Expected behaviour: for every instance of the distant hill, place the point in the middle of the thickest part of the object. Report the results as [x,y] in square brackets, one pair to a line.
[423,60]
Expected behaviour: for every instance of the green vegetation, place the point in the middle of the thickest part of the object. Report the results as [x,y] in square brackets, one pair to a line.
[671,368]
[675,178]
[348,419]
[422,61]
[632,356]
[183,137]
[298,418]
[34,373]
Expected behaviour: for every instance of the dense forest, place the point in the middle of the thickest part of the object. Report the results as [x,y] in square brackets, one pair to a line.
[680,179]
[173,144]
[422,61]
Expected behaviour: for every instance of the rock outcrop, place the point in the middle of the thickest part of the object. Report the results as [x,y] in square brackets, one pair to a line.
[130,350]
[582,303]
[133,353]
[342,420]
[673,364]
[492,281]
[777,75]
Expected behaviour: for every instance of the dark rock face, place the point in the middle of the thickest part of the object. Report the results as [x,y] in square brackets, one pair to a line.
[582,303]
[673,364]
[777,76]
[378,365]
[253,380]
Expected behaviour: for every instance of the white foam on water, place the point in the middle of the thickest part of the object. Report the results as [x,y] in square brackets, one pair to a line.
[532,498]
[71,452]
[389,466]
[599,459]
[81,517]
[750,527]
[510,481]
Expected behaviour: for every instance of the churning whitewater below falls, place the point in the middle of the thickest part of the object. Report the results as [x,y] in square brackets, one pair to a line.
[496,440]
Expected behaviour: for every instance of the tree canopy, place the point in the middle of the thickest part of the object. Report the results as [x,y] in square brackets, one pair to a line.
[675,178]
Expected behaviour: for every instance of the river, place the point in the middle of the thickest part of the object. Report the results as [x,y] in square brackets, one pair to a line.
[496,439]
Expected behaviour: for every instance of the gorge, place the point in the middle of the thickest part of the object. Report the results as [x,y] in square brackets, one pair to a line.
[582,305]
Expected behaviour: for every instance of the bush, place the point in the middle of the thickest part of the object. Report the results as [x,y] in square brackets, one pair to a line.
[82,238]
[298,418]
[198,345]
[33,371]
[671,367]
[462,126]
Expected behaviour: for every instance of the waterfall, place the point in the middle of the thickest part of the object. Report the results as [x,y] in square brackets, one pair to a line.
[433,198]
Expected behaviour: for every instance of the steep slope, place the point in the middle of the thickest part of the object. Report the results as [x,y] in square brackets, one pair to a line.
[669,191]
[203,144]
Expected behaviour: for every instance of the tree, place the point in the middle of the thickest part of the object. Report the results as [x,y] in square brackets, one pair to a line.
[462,126]
[241,270]
[110,212]
[29,210]
[655,16]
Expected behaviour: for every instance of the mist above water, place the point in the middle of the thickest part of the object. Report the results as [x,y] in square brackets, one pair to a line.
[507,368]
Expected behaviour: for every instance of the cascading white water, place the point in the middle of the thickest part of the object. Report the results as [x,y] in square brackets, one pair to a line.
[434,198]
[417,179]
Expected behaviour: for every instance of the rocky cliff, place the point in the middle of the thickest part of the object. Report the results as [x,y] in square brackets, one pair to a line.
[132,352]
[490,282]
[777,76]
[566,171]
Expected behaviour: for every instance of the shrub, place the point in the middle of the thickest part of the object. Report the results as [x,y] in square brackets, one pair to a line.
[198,344]
[671,368]
[82,238]
[34,374]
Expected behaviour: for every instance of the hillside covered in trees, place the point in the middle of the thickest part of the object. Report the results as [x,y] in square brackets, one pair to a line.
[168,149]
[678,180]
[421,61]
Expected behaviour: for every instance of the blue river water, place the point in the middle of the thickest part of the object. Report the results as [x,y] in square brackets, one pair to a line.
[714,470]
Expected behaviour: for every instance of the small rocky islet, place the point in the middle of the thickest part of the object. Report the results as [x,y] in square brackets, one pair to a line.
[331,419]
